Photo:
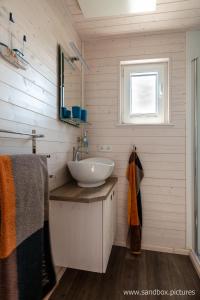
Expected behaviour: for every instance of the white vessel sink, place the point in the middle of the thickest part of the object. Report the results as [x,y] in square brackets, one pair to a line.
[91,172]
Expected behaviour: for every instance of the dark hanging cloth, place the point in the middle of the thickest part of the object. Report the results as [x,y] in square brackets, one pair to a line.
[135,175]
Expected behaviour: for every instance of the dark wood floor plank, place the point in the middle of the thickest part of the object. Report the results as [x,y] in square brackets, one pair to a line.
[148,271]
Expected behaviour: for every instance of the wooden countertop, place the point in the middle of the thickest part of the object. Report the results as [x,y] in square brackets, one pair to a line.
[73,193]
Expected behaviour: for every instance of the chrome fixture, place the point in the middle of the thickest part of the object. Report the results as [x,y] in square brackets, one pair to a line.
[77,151]
[82,147]
[78,56]
[33,135]
[70,62]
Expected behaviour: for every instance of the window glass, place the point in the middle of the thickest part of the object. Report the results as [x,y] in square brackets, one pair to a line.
[144,93]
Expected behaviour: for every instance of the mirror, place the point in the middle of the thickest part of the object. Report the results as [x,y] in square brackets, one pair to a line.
[70,86]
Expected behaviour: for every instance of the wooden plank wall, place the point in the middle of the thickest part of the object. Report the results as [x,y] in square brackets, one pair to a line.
[161,148]
[29,99]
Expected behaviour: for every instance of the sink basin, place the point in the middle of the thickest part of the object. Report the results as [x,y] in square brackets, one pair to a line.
[91,172]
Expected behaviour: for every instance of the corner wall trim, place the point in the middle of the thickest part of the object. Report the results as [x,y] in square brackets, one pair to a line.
[195,261]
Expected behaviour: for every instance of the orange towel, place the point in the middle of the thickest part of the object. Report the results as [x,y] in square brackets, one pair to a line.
[134,175]
[7,208]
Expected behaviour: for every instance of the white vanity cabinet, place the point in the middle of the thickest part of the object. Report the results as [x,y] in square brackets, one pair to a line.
[82,233]
[109,226]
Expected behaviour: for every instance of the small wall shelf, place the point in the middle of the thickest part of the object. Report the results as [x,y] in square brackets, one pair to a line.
[74,121]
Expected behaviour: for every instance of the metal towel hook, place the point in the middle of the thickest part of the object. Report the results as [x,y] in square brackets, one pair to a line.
[11,17]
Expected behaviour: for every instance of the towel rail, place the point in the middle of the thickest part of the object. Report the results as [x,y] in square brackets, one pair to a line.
[33,135]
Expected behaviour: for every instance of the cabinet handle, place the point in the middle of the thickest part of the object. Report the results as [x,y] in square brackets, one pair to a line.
[111,197]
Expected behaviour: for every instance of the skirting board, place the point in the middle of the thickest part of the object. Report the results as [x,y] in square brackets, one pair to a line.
[195,261]
[59,273]
[166,249]
[158,248]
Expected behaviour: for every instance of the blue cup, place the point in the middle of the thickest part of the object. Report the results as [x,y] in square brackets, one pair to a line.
[63,109]
[76,112]
[66,114]
[83,115]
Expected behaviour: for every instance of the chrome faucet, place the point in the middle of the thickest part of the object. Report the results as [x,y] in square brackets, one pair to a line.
[82,144]
[76,153]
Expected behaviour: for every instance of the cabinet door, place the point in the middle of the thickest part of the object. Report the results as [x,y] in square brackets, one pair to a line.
[76,234]
[107,229]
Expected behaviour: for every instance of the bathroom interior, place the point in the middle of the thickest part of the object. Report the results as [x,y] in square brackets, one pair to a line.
[99,149]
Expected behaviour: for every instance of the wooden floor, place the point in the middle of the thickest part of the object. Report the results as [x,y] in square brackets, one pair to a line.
[149,271]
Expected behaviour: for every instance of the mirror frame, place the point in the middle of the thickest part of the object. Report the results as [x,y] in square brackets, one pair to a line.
[61,84]
[61,79]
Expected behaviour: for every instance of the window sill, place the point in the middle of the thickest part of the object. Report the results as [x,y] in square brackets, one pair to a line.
[146,124]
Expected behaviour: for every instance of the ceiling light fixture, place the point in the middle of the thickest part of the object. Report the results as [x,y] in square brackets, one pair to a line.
[107,8]
[140,6]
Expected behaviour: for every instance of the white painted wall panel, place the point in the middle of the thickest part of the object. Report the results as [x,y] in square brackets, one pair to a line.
[161,148]
[28,99]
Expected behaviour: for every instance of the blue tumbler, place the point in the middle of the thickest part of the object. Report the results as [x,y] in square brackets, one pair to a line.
[83,115]
[76,112]
[66,113]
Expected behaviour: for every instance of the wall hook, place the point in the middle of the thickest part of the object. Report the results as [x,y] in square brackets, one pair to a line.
[134,148]
[24,41]
[11,18]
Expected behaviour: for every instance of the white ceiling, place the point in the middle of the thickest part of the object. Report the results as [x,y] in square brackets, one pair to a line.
[170,15]
[105,8]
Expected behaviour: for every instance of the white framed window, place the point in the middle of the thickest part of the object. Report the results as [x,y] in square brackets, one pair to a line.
[144,89]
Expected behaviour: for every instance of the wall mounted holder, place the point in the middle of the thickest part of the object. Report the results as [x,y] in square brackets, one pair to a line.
[13,56]
[74,121]
[78,56]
